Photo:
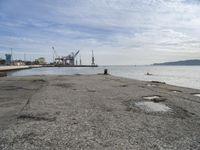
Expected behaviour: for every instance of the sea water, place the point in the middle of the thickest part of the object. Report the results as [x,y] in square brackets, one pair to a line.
[185,76]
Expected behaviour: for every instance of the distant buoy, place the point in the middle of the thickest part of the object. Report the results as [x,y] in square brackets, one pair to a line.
[149,74]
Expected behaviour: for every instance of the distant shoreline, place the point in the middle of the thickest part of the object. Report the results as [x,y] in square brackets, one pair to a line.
[193,62]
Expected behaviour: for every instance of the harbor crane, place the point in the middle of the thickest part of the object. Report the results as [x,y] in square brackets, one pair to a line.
[67,60]
[93,63]
[55,55]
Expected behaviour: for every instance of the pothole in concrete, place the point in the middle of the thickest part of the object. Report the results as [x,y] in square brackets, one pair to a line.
[151,97]
[151,85]
[154,98]
[175,91]
[91,90]
[152,107]
[124,85]
[64,85]
[158,82]
[197,94]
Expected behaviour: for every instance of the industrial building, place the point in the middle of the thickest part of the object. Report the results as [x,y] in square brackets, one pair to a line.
[70,60]
[67,60]
[8,59]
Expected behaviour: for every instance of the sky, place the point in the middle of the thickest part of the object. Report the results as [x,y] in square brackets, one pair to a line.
[120,32]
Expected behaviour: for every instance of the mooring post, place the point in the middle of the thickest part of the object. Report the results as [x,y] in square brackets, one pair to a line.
[105,71]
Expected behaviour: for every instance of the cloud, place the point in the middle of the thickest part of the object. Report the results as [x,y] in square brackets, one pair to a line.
[110,27]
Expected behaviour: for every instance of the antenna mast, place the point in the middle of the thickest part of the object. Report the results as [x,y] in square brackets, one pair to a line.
[53,53]
[93,59]
[11,55]
[80,60]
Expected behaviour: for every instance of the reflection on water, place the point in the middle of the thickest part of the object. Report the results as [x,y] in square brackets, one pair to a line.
[198,95]
[151,97]
[186,76]
[152,107]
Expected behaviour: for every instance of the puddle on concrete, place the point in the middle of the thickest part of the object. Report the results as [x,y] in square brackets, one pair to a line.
[152,107]
[174,91]
[197,94]
[124,85]
[151,85]
[91,90]
[158,82]
[151,97]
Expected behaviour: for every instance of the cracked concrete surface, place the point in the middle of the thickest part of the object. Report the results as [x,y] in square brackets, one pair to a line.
[95,112]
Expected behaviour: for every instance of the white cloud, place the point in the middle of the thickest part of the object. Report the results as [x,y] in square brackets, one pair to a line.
[160,28]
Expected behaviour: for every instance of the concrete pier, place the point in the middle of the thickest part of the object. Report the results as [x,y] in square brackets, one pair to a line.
[96,112]
[9,68]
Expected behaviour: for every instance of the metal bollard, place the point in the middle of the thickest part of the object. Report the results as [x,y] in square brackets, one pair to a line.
[105,71]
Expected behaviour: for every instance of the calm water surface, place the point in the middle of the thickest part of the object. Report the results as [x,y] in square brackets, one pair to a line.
[186,76]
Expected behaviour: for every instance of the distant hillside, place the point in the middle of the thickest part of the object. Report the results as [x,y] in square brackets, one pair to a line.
[194,62]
